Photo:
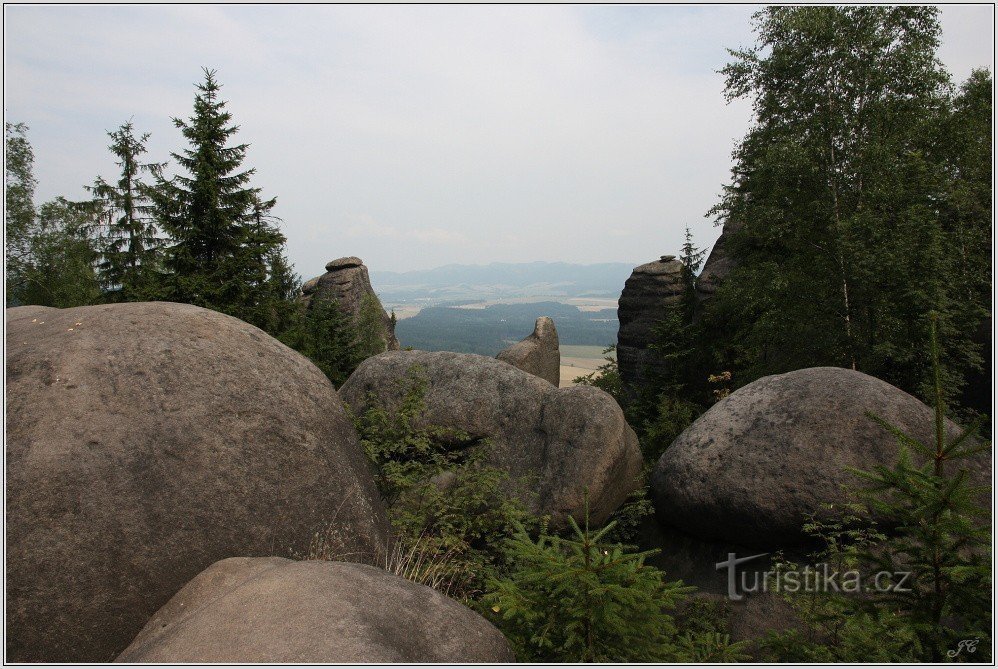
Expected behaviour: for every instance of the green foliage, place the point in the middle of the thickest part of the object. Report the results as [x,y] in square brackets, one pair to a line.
[830,626]
[130,247]
[581,599]
[670,417]
[440,495]
[939,536]
[943,537]
[19,207]
[712,647]
[57,269]
[675,392]
[372,335]
[279,309]
[323,334]
[856,204]
[692,258]
[629,517]
[606,377]
[221,235]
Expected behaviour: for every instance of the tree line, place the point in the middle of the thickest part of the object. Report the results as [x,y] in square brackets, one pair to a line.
[204,236]
[860,202]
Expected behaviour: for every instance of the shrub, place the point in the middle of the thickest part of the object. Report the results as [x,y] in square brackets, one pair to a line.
[446,507]
[606,377]
[584,600]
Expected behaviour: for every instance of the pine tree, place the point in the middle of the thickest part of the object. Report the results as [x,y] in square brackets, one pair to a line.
[220,238]
[130,248]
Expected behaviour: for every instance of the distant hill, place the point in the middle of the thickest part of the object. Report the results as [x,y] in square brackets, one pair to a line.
[489,330]
[502,280]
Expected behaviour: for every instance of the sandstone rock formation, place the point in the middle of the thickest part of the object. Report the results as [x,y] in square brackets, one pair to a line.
[555,443]
[272,610]
[754,466]
[146,441]
[537,354]
[650,289]
[346,281]
[719,263]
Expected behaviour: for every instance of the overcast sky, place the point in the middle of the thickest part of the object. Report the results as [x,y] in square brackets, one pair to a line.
[415,137]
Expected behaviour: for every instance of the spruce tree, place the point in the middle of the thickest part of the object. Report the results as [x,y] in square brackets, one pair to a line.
[692,258]
[220,239]
[943,539]
[130,247]
[581,599]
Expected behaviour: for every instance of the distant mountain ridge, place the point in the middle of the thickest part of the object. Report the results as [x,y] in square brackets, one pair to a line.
[457,281]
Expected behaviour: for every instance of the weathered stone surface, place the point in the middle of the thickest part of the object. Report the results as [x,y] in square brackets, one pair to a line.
[555,443]
[719,263]
[146,441]
[754,466]
[272,610]
[538,353]
[651,289]
[347,282]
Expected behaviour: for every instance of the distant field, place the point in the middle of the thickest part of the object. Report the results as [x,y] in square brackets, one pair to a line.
[583,352]
[578,361]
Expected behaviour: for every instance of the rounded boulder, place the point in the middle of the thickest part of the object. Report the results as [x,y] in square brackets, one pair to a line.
[145,442]
[561,447]
[760,462]
[273,610]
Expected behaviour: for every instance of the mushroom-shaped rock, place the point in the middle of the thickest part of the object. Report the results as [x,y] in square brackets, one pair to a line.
[273,610]
[538,353]
[346,282]
[755,466]
[651,289]
[555,443]
[145,442]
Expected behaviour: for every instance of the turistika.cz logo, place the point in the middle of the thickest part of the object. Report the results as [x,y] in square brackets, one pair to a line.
[811,578]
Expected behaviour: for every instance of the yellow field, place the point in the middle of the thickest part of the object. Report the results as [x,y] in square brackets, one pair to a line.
[578,361]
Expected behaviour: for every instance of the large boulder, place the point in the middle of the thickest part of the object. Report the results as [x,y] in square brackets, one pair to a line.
[759,462]
[145,442]
[346,282]
[651,289]
[537,354]
[555,443]
[273,610]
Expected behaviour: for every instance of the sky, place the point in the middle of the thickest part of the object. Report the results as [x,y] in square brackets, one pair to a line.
[419,136]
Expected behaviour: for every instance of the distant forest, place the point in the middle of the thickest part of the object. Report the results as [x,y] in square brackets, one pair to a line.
[487,331]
